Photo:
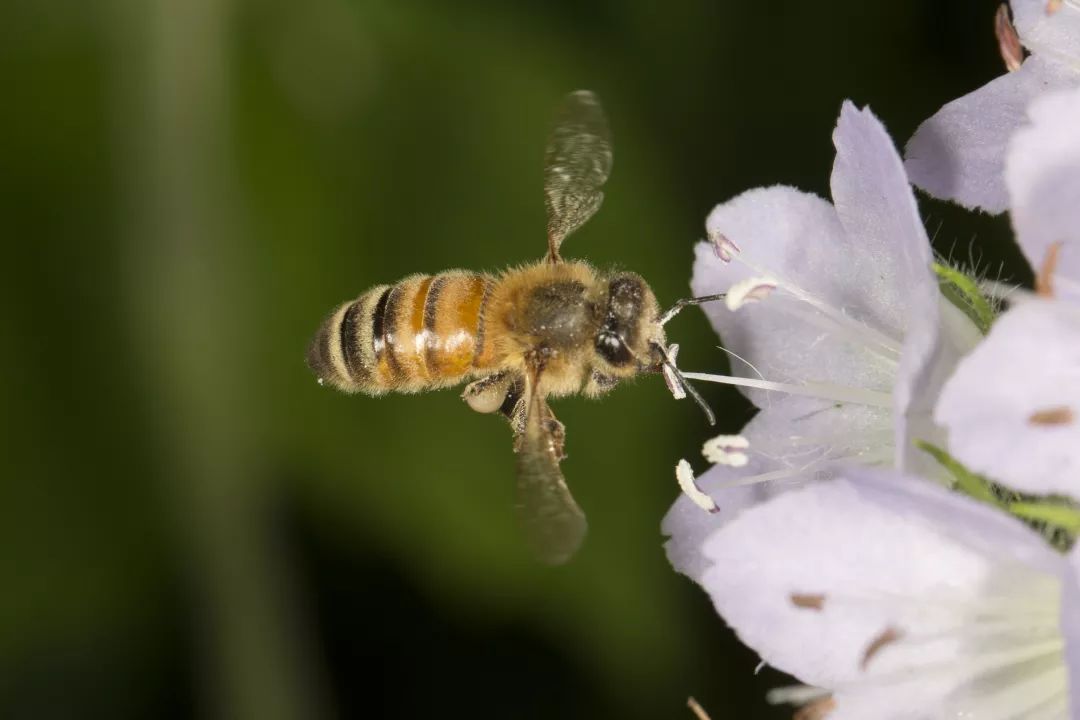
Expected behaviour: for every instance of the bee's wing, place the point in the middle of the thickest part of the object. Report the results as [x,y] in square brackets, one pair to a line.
[576,165]
[554,524]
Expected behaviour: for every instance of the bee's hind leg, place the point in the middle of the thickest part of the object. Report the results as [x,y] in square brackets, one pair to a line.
[486,394]
[502,393]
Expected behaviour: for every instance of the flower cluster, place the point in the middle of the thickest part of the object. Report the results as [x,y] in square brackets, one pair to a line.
[894,527]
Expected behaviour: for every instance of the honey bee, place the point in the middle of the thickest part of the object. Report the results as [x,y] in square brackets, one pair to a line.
[548,329]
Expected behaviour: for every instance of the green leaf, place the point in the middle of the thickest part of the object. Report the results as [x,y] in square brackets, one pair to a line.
[963,292]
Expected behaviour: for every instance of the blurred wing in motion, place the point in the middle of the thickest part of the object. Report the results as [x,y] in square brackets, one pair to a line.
[576,165]
[554,524]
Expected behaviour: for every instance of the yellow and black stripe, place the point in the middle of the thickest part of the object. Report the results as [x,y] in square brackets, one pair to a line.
[420,333]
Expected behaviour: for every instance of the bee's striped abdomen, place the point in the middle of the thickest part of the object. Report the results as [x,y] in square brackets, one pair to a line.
[423,332]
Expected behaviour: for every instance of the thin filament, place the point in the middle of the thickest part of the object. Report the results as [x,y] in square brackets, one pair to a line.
[823,391]
[839,318]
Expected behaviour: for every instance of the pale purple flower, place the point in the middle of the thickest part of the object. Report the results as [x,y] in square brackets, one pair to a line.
[849,340]
[901,599]
[1012,408]
[959,153]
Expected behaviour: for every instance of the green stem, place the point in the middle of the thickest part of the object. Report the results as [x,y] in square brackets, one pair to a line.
[967,482]
[1063,516]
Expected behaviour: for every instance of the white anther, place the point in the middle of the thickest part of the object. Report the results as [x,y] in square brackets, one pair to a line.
[685,475]
[673,385]
[726,450]
[724,248]
[749,290]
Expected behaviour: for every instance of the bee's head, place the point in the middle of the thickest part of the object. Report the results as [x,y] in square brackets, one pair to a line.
[628,327]
[631,338]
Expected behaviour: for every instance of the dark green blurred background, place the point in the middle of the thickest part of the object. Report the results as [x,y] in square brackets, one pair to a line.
[189,525]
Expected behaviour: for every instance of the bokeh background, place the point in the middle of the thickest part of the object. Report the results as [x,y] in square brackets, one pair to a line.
[190,526]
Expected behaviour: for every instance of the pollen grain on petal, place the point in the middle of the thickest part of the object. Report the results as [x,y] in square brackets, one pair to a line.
[1061,415]
[727,450]
[1052,6]
[808,601]
[724,248]
[688,483]
[1012,52]
[887,637]
[748,291]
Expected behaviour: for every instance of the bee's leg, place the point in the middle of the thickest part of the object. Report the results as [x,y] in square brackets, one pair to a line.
[599,384]
[513,406]
[487,394]
[557,433]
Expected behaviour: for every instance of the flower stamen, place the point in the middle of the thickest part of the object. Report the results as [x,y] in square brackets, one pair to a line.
[808,601]
[724,248]
[817,710]
[887,637]
[1044,280]
[796,695]
[1062,415]
[1008,41]
[822,391]
[750,290]
[684,474]
[695,707]
[868,336]
[726,450]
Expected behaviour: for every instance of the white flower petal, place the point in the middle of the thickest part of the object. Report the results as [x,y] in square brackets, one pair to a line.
[1012,409]
[794,441]
[1042,172]
[883,580]
[858,265]
[931,354]
[876,206]
[869,261]
[1070,625]
[686,525]
[798,235]
[959,153]
[1053,35]
[874,200]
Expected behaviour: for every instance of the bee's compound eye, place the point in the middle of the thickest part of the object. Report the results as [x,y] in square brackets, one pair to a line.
[613,349]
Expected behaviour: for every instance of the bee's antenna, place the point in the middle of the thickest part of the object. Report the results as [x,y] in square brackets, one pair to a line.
[674,309]
[690,389]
